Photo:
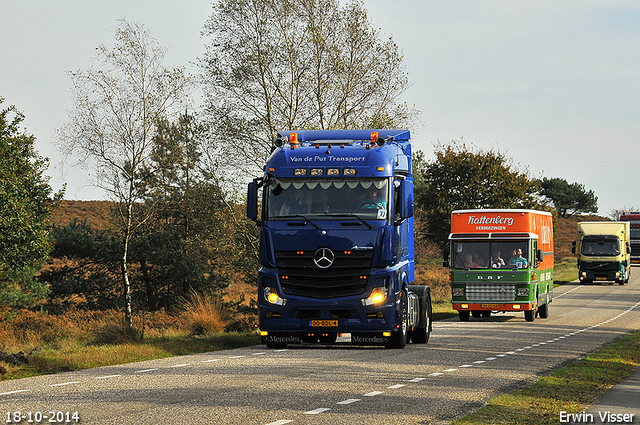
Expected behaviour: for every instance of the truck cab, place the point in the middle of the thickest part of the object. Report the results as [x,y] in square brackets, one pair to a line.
[336,239]
[604,251]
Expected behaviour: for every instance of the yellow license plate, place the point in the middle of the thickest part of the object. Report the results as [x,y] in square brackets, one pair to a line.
[601,278]
[323,323]
[489,305]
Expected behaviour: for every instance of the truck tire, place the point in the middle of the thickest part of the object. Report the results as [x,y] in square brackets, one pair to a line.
[422,331]
[530,315]
[399,337]
[464,315]
[543,311]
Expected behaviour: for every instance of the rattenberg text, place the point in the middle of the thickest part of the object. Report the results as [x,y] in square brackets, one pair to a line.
[483,219]
[605,417]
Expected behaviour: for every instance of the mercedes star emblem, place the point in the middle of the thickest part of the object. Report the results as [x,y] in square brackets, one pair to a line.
[323,257]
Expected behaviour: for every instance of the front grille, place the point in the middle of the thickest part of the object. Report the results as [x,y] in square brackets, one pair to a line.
[491,292]
[347,275]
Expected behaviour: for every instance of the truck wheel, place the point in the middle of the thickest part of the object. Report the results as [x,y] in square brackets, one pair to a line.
[422,331]
[530,315]
[476,313]
[399,338]
[486,313]
[464,315]
[543,311]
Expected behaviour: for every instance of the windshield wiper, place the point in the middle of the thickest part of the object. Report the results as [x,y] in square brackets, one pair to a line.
[353,215]
[301,216]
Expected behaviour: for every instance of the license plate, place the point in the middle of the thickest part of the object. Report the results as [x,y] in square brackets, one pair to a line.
[601,278]
[323,323]
[489,306]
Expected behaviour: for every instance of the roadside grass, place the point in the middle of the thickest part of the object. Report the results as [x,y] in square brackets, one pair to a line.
[85,339]
[565,271]
[52,360]
[569,389]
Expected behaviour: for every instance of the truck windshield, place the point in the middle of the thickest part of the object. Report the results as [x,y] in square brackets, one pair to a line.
[600,247]
[328,199]
[492,254]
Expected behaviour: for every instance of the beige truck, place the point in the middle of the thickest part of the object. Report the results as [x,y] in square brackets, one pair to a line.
[604,251]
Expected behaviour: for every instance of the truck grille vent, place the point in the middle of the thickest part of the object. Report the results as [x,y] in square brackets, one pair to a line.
[491,292]
[344,277]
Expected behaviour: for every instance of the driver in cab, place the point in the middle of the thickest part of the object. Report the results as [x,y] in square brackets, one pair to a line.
[372,199]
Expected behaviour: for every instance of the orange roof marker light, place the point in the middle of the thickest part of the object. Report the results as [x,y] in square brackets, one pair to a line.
[374,137]
[294,140]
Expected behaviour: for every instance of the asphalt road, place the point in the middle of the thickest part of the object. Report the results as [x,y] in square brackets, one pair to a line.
[463,365]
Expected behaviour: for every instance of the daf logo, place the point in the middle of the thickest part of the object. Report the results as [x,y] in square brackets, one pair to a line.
[323,257]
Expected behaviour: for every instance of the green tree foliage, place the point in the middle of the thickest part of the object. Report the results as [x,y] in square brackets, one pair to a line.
[296,64]
[467,178]
[26,202]
[84,268]
[568,198]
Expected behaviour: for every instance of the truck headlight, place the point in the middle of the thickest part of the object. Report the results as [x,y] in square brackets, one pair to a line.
[458,292]
[271,295]
[522,292]
[377,296]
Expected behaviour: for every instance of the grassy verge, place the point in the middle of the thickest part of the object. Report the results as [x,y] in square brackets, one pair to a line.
[570,389]
[565,271]
[56,360]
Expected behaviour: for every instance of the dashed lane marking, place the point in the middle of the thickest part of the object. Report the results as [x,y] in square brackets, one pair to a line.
[317,411]
[348,401]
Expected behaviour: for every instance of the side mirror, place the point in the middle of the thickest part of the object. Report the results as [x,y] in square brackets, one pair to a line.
[252,201]
[405,199]
[445,262]
[540,255]
[573,247]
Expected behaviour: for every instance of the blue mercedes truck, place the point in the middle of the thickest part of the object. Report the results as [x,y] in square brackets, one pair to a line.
[335,213]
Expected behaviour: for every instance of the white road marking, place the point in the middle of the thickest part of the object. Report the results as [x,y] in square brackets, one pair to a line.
[64,383]
[348,401]
[108,376]
[396,386]
[318,410]
[450,370]
[280,422]
[15,392]
[145,370]
[373,393]
[212,360]
[180,365]
[417,379]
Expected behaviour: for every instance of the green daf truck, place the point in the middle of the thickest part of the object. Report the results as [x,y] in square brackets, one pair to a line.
[604,251]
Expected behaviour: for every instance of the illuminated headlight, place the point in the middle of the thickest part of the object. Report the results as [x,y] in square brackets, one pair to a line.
[349,172]
[333,171]
[458,292]
[522,292]
[300,172]
[317,171]
[377,296]
[584,274]
[617,275]
[272,296]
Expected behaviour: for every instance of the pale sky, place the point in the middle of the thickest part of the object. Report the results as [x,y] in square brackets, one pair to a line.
[554,85]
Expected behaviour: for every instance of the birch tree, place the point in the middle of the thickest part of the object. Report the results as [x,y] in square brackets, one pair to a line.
[296,64]
[118,102]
